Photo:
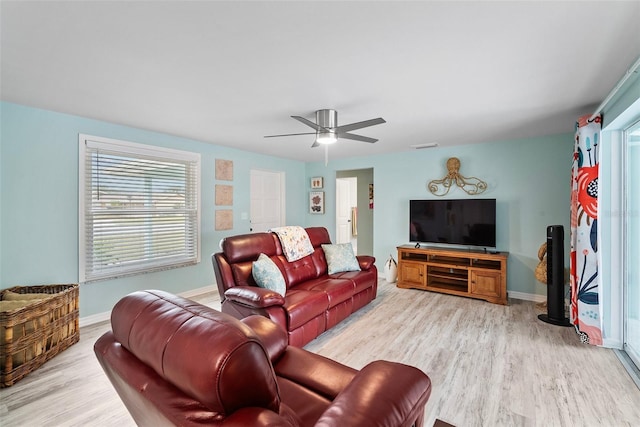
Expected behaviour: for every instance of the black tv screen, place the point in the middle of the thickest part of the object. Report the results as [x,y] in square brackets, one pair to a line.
[469,222]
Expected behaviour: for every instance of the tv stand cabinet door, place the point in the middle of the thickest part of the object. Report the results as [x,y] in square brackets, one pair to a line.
[488,285]
[412,275]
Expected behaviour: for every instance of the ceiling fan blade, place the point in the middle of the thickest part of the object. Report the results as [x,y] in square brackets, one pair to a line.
[290,134]
[357,137]
[360,125]
[309,123]
[315,144]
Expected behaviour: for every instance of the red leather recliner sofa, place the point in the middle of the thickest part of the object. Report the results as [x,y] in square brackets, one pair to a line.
[314,301]
[176,362]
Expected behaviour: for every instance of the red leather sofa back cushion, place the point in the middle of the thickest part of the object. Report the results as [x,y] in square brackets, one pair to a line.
[240,252]
[247,247]
[181,331]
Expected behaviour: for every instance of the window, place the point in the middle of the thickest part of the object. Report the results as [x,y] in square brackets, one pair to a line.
[139,208]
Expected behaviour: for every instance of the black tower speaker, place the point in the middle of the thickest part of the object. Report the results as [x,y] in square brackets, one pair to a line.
[555,277]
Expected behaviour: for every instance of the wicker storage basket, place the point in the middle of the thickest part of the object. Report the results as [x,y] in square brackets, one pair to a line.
[34,333]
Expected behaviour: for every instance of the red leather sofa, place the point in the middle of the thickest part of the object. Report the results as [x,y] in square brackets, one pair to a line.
[176,362]
[314,301]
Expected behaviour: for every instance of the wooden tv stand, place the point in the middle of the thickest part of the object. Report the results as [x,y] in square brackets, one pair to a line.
[474,274]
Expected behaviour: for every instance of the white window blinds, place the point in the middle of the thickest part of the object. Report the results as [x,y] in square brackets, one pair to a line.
[139,208]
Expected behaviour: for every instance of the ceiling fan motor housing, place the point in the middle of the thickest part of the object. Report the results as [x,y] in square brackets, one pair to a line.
[327,118]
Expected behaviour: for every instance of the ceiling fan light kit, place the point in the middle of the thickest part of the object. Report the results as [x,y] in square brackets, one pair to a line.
[326,137]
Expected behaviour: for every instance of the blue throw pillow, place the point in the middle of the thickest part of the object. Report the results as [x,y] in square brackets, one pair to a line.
[340,258]
[267,275]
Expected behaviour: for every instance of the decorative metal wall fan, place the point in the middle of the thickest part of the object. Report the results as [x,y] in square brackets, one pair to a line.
[327,130]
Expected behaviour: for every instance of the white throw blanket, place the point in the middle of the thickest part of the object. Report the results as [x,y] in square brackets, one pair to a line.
[295,242]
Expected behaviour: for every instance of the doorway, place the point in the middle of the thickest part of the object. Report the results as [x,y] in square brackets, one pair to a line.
[266,200]
[347,211]
[354,214]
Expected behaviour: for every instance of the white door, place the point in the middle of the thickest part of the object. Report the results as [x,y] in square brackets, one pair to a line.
[343,210]
[267,200]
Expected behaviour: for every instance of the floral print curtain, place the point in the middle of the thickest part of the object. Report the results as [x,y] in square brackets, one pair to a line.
[584,279]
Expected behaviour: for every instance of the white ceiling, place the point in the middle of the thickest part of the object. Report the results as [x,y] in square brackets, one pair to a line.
[228,73]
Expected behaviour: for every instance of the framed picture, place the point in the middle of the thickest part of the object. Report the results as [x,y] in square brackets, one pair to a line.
[317,182]
[316,202]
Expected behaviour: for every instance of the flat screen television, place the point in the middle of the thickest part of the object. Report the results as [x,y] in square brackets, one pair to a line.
[469,222]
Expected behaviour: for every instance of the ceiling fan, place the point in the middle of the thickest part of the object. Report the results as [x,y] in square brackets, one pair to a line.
[327,130]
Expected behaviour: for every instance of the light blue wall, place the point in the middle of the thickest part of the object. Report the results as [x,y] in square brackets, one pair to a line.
[39,201]
[529,178]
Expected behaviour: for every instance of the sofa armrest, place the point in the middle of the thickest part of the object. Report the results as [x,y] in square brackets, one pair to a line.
[365,261]
[314,372]
[253,296]
[381,394]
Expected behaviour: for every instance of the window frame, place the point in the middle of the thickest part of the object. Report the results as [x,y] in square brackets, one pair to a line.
[127,148]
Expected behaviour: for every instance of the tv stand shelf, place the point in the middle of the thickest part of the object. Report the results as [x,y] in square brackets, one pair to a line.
[474,274]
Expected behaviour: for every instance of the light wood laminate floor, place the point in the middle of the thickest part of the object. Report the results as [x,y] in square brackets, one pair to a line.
[490,365]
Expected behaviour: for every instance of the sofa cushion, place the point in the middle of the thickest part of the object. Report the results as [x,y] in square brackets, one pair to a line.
[163,331]
[247,247]
[243,273]
[338,290]
[318,236]
[299,271]
[361,279]
[340,258]
[302,306]
[268,275]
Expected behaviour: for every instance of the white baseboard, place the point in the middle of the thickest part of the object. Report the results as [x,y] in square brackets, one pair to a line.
[95,318]
[199,291]
[106,316]
[526,296]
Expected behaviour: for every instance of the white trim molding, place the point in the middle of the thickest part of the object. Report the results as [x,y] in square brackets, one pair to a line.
[526,296]
[106,316]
